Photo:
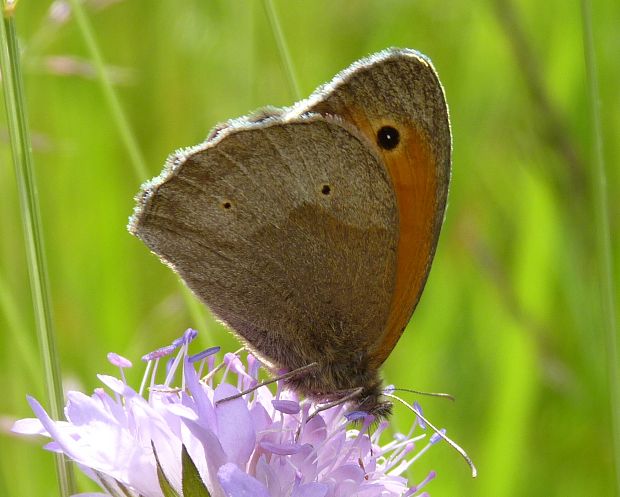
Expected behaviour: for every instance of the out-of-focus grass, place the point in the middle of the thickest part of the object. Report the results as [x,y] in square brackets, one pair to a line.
[36,255]
[510,320]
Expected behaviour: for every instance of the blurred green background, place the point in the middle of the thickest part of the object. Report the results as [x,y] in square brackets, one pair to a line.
[510,322]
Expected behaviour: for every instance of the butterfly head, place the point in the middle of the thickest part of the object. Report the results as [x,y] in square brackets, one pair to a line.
[372,402]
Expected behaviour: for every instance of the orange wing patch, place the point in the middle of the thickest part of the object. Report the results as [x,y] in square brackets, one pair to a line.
[412,167]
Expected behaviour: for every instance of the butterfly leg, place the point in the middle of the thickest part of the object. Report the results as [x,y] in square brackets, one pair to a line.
[346,395]
[284,376]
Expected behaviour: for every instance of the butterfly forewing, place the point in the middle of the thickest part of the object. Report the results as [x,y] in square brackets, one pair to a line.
[399,89]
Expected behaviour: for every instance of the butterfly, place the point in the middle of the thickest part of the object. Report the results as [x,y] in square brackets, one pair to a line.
[310,230]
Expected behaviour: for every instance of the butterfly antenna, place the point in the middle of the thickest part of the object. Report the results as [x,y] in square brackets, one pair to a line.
[419,392]
[451,443]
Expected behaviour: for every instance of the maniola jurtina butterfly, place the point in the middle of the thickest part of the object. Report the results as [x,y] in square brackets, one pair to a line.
[310,230]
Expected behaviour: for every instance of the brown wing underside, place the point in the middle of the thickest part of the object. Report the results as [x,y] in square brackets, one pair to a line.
[288,232]
[403,91]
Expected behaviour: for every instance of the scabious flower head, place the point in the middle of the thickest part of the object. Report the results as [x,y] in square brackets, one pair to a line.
[152,442]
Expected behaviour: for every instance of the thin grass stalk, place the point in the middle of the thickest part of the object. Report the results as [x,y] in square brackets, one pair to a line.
[19,135]
[603,236]
[20,340]
[120,119]
[122,124]
[285,55]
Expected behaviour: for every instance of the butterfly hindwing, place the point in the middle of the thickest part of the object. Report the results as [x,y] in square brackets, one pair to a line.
[286,230]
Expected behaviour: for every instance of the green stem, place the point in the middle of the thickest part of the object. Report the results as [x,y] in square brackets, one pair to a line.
[603,237]
[21,341]
[282,48]
[31,220]
[137,160]
[122,124]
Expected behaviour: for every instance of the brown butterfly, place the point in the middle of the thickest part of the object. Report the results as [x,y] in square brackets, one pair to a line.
[310,230]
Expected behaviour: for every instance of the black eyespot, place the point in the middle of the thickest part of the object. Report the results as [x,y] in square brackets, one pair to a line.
[326,190]
[388,137]
[226,204]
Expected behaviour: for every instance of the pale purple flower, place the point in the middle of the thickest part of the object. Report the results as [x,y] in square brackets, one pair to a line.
[261,445]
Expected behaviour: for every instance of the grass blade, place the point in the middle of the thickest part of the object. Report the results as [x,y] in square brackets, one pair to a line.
[86,30]
[124,129]
[282,48]
[603,236]
[15,105]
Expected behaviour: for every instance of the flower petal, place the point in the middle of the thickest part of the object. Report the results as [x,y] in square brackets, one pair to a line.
[271,477]
[311,490]
[234,425]
[118,360]
[285,449]
[90,494]
[67,443]
[236,483]
[204,407]
[28,426]
[183,411]
[117,386]
[82,409]
[286,406]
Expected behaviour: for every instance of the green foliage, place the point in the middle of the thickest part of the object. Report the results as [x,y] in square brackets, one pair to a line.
[510,322]
[193,486]
[164,484]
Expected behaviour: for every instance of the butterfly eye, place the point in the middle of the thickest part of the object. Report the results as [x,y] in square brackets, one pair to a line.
[388,137]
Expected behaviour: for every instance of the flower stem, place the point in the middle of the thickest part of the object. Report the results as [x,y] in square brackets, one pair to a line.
[282,48]
[15,104]
[603,237]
